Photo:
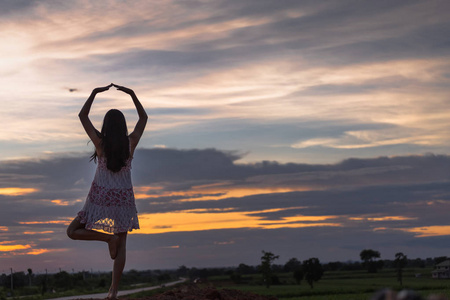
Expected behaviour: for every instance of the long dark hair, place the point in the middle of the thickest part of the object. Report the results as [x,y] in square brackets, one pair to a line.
[115,142]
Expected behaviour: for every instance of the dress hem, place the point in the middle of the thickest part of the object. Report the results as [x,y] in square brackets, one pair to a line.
[106,228]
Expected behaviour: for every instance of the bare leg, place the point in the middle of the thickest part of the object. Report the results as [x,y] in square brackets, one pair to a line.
[77,231]
[119,264]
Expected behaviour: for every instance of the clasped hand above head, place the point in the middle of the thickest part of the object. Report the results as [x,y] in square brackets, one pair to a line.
[118,87]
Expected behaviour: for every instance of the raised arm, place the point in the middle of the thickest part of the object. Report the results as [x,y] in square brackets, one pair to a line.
[135,136]
[84,116]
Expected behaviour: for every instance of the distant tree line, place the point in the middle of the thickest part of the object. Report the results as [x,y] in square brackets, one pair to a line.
[309,270]
[30,284]
[383,263]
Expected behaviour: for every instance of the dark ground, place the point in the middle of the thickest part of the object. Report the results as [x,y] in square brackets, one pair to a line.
[193,292]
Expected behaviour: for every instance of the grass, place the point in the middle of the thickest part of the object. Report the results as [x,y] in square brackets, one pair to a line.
[334,285]
[78,291]
[349,285]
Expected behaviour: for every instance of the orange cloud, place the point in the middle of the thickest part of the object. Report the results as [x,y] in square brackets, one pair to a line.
[216,191]
[144,189]
[60,202]
[63,222]
[380,219]
[16,191]
[4,228]
[37,251]
[200,219]
[9,248]
[230,192]
[224,243]
[12,248]
[390,218]
[171,247]
[37,232]
[428,231]
[140,191]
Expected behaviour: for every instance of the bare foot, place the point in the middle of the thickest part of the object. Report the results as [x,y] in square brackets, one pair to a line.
[112,295]
[113,244]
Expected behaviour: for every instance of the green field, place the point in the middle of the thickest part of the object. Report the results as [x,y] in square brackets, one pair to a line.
[338,285]
[357,285]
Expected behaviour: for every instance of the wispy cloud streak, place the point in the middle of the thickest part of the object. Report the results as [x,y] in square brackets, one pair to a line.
[345,64]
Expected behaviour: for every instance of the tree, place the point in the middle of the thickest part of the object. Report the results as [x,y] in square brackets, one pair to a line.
[313,270]
[400,262]
[62,280]
[244,269]
[298,275]
[439,259]
[30,273]
[295,266]
[182,271]
[368,256]
[266,266]
[292,265]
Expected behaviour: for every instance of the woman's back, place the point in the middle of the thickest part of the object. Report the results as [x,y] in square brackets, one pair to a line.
[109,179]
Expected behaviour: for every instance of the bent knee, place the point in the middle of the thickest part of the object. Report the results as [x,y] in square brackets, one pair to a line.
[73,227]
[70,233]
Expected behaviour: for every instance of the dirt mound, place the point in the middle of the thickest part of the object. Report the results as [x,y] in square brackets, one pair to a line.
[192,292]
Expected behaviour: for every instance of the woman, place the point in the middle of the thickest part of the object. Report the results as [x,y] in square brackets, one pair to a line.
[110,204]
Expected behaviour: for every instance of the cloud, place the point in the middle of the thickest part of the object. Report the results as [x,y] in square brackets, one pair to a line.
[284,64]
[370,138]
[200,191]
[12,191]
[9,7]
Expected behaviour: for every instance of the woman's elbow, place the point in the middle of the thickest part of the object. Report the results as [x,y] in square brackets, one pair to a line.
[82,115]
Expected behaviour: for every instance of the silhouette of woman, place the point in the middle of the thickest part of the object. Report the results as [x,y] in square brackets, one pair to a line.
[110,204]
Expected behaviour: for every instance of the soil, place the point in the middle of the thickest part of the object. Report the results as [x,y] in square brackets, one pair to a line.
[194,292]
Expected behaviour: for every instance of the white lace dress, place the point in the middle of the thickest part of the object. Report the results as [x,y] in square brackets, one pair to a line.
[110,204]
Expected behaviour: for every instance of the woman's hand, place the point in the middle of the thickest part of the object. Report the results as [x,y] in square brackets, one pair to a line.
[102,89]
[123,89]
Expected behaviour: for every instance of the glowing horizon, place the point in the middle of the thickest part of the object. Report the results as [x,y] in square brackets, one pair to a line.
[199,220]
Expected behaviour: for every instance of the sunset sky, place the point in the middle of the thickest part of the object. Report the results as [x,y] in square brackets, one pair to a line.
[304,128]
